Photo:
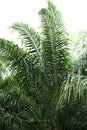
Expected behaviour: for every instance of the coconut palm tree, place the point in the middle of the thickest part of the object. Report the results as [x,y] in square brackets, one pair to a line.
[37,71]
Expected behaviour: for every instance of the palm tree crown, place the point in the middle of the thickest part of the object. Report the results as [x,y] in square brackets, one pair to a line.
[37,73]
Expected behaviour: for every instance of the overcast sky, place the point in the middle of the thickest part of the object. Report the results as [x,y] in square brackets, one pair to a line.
[74,13]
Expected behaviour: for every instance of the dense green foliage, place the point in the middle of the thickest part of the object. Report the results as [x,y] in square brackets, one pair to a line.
[40,87]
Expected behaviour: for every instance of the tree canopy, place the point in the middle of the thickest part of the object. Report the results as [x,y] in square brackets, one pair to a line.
[40,86]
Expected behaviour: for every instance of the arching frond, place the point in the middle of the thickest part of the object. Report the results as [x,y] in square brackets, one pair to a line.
[75,88]
[54,44]
[18,62]
[30,39]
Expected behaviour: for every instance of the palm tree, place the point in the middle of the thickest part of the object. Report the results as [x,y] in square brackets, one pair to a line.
[37,71]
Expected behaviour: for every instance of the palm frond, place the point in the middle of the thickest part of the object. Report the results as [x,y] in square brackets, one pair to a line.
[22,71]
[73,89]
[20,65]
[31,40]
[54,44]
[14,112]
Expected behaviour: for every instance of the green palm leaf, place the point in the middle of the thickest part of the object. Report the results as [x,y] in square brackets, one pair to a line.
[54,44]
[31,40]
[21,68]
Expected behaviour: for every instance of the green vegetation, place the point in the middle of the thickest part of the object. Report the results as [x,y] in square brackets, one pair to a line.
[41,86]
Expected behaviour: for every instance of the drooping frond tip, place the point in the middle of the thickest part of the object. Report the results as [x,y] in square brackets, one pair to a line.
[48,1]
